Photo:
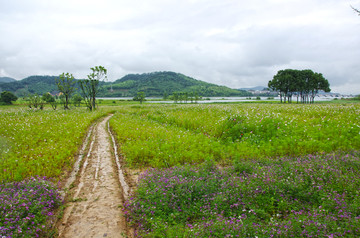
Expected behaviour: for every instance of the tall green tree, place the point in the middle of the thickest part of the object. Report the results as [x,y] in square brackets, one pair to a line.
[196,96]
[66,84]
[175,97]
[7,97]
[47,97]
[140,96]
[35,101]
[90,87]
[165,96]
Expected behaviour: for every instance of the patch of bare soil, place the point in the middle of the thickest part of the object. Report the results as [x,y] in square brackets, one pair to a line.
[96,190]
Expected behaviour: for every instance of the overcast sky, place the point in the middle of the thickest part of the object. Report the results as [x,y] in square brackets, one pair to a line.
[235,43]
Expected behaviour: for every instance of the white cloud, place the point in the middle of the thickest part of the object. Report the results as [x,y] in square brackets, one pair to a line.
[228,42]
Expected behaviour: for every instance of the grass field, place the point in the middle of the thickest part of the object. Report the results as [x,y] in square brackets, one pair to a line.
[168,135]
[36,147]
[286,170]
[247,169]
[41,143]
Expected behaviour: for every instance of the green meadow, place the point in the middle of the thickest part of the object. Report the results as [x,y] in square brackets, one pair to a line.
[211,170]
[168,135]
[42,142]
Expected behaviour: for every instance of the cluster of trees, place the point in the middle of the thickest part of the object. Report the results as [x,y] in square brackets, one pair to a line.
[66,84]
[7,97]
[176,96]
[37,101]
[304,84]
[185,97]
[89,87]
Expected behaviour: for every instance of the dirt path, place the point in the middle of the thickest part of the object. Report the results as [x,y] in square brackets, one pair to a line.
[97,190]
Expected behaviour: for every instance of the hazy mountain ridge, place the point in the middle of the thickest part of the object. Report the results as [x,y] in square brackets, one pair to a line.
[155,84]
[6,80]
[257,88]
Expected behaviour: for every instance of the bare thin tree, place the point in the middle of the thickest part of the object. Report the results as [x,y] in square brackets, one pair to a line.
[356,10]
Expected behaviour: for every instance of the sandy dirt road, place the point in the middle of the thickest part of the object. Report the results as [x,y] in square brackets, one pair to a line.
[96,189]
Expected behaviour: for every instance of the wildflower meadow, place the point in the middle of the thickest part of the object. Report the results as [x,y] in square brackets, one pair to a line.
[310,196]
[216,170]
[36,143]
[26,207]
[245,170]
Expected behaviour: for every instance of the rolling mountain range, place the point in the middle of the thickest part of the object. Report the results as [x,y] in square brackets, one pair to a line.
[156,84]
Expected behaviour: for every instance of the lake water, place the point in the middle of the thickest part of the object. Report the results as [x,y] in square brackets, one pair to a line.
[225,99]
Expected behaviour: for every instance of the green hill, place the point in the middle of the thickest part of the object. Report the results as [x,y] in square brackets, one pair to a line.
[32,84]
[6,80]
[157,84]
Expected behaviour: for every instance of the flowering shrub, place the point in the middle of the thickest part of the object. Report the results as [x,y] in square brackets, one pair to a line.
[311,196]
[25,207]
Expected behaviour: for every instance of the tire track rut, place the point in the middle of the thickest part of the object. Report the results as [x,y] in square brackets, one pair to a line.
[97,196]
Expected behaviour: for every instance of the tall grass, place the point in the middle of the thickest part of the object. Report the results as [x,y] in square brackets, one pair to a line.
[168,135]
[41,143]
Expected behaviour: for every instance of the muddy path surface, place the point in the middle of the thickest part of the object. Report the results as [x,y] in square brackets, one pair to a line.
[96,189]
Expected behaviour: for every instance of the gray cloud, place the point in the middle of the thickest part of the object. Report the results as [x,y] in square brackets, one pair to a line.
[227,42]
